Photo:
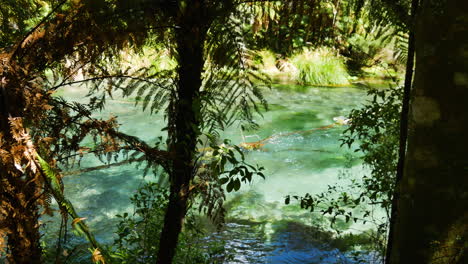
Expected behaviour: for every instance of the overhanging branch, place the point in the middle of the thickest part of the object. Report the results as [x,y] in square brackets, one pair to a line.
[105,166]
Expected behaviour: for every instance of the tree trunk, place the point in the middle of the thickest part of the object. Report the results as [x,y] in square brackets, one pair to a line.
[190,39]
[22,222]
[403,127]
[431,225]
[19,212]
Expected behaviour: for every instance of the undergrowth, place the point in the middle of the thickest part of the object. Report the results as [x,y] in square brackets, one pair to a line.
[138,233]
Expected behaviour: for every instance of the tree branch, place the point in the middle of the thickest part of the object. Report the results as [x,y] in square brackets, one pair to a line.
[107,77]
[36,27]
[105,166]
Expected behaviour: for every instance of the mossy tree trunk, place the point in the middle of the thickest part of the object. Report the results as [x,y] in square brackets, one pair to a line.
[432,220]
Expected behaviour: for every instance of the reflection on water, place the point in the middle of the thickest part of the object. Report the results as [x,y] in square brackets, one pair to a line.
[260,228]
[290,245]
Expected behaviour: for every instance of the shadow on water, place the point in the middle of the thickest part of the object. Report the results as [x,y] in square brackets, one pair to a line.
[260,228]
[299,120]
[286,242]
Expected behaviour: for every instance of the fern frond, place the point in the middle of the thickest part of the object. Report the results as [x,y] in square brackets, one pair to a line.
[53,181]
[232,85]
[401,48]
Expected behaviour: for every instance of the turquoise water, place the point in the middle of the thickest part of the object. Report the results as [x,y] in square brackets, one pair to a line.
[260,227]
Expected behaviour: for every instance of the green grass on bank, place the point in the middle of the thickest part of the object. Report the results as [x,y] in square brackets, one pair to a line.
[320,67]
[310,67]
[307,67]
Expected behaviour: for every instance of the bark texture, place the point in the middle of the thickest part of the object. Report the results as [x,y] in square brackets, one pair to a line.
[431,226]
[183,135]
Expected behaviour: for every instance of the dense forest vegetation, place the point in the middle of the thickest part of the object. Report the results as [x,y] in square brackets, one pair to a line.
[198,70]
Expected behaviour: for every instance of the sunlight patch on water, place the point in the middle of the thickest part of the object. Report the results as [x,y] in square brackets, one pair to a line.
[296,163]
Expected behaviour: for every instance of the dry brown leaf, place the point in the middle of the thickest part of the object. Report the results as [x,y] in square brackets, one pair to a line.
[48,139]
[77,220]
[97,257]
[48,107]
[33,37]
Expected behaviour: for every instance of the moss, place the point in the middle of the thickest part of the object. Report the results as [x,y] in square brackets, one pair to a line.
[454,246]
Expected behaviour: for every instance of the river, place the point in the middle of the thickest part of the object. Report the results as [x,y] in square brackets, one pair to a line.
[260,228]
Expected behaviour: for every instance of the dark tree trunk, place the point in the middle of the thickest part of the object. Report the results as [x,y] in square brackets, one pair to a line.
[22,223]
[431,224]
[403,126]
[190,39]
[19,212]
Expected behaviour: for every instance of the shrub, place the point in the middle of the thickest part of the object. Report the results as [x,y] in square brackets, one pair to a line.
[138,234]
[265,60]
[370,48]
[320,67]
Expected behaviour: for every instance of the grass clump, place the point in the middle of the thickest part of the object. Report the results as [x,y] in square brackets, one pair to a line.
[320,67]
[156,59]
[265,61]
[268,59]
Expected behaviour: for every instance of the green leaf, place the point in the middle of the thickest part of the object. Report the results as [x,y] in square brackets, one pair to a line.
[223,180]
[230,186]
[237,184]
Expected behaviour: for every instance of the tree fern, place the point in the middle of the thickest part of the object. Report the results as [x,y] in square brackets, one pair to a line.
[400,54]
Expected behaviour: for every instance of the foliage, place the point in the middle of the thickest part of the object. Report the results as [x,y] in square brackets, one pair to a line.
[85,36]
[219,156]
[53,182]
[367,33]
[32,121]
[366,49]
[265,60]
[151,56]
[374,129]
[320,67]
[228,92]
[284,26]
[219,166]
[212,87]
[394,12]
[400,47]
[18,17]
[138,234]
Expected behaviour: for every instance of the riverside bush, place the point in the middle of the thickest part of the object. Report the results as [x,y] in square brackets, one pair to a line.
[319,67]
[138,233]
[265,60]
